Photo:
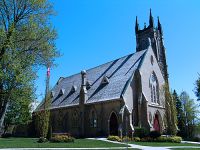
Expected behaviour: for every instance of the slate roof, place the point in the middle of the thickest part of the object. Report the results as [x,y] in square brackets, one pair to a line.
[118,72]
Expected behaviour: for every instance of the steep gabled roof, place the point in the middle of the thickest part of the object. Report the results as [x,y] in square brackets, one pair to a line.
[118,72]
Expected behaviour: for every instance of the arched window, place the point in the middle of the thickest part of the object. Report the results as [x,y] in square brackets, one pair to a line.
[75,119]
[93,119]
[154,87]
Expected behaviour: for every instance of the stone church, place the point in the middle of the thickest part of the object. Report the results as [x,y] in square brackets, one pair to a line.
[115,97]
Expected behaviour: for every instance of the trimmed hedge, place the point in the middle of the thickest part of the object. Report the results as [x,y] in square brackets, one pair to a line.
[114,138]
[171,139]
[136,139]
[124,139]
[62,138]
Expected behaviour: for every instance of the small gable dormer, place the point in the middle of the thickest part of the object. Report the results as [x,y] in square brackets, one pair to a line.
[59,80]
[105,80]
[62,91]
[73,89]
[52,94]
[88,85]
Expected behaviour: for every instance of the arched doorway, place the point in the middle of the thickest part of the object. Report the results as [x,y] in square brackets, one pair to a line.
[156,124]
[113,124]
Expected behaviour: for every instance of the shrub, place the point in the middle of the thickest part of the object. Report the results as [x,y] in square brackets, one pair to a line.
[136,139]
[140,132]
[61,139]
[126,138]
[114,138]
[147,139]
[175,139]
[162,139]
[42,140]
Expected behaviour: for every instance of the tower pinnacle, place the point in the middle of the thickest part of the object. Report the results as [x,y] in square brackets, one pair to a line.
[151,20]
[160,27]
[136,25]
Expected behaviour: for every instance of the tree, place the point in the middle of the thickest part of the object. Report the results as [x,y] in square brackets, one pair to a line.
[197,88]
[180,115]
[170,112]
[42,117]
[19,110]
[190,113]
[27,41]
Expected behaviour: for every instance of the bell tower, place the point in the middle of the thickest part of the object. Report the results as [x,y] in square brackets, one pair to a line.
[155,34]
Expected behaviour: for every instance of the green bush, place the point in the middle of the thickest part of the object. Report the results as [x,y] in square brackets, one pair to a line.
[154,134]
[175,139]
[114,138]
[140,132]
[147,139]
[172,139]
[61,139]
[126,138]
[136,139]
[162,139]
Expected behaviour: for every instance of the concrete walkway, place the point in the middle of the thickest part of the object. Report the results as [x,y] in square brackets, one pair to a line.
[150,147]
[133,145]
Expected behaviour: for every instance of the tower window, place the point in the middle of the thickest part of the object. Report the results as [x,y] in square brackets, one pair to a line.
[154,87]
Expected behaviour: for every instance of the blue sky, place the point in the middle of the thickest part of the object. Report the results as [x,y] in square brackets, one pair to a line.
[93,32]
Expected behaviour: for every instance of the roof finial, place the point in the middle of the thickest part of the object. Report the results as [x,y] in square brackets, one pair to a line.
[136,25]
[150,19]
[145,25]
[159,26]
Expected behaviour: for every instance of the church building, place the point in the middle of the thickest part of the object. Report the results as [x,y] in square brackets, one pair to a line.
[115,97]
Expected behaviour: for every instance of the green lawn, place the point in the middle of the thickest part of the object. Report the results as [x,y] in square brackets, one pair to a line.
[185,148]
[166,144]
[32,143]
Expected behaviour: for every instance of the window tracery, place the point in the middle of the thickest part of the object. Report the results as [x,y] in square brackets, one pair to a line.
[154,87]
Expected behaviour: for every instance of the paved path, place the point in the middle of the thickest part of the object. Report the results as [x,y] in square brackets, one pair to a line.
[150,147]
[133,145]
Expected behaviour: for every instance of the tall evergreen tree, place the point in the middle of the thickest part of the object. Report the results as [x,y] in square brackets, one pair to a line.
[170,112]
[197,88]
[180,115]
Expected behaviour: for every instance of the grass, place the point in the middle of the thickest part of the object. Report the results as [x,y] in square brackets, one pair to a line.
[161,144]
[32,143]
[184,148]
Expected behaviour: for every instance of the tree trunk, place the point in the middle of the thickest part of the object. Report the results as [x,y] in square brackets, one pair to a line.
[2,116]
